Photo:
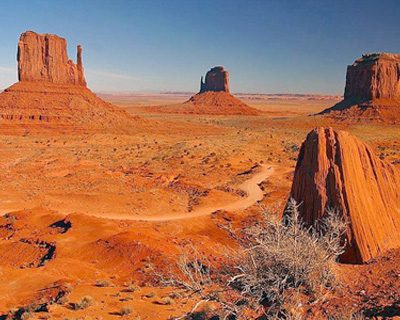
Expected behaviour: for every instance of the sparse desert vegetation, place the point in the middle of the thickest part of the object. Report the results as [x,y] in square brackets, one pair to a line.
[204,198]
[279,267]
[124,184]
[84,303]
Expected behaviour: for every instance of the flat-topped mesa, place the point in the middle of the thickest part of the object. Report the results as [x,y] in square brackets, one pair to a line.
[374,76]
[336,170]
[217,79]
[43,57]
[372,92]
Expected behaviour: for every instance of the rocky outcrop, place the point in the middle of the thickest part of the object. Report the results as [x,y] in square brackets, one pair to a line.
[217,79]
[336,170]
[217,103]
[214,98]
[52,95]
[372,90]
[43,57]
[374,76]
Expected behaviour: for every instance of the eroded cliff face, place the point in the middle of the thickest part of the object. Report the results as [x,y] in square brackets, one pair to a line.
[336,170]
[372,92]
[43,57]
[217,79]
[51,94]
[374,76]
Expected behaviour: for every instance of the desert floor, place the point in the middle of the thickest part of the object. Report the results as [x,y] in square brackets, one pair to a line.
[97,214]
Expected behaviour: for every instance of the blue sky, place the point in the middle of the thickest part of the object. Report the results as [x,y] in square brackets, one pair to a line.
[166,45]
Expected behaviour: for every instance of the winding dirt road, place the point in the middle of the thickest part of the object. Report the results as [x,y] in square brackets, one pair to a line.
[250,186]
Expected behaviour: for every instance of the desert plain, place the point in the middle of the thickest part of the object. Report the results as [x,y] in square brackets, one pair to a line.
[95,214]
[207,205]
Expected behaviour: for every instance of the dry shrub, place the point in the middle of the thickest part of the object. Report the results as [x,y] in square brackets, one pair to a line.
[149,295]
[26,315]
[103,283]
[344,314]
[84,303]
[195,278]
[131,288]
[281,264]
[285,262]
[125,311]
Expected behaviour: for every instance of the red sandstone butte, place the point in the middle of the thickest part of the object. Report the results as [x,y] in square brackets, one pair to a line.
[51,93]
[336,170]
[373,76]
[217,79]
[214,97]
[372,90]
[43,57]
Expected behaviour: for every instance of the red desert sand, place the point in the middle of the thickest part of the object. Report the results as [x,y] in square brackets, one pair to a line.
[102,201]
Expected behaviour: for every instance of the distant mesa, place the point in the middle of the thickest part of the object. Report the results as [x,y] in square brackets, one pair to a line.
[374,76]
[52,93]
[372,91]
[336,170]
[214,97]
[217,79]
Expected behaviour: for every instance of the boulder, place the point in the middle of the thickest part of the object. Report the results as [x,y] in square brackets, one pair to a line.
[336,170]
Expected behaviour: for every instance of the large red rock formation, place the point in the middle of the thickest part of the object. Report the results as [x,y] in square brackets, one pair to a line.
[217,103]
[372,90]
[373,76]
[336,170]
[43,57]
[42,106]
[217,79]
[214,98]
[52,93]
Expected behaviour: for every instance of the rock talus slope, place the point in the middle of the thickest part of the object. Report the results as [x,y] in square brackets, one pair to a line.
[52,93]
[214,97]
[336,170]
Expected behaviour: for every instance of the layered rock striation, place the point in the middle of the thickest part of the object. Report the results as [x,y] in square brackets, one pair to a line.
[336,170]
[43,57]
[372,90]
[52,95]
